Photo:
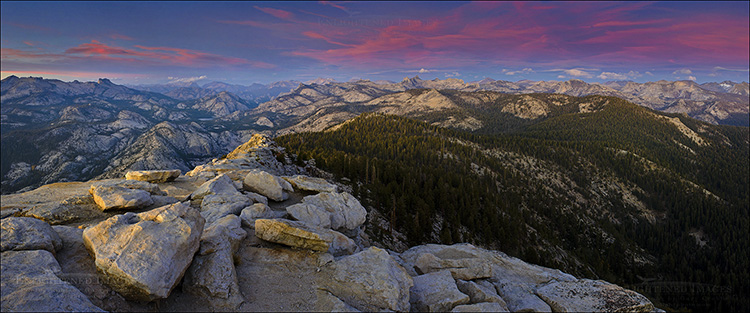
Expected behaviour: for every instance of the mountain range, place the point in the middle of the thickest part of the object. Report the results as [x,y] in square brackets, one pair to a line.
[59,131]
[570,175]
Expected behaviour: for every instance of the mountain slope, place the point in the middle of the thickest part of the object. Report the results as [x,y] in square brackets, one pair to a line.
[613,193]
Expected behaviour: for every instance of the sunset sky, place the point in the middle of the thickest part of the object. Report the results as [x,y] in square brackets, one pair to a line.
[247,42]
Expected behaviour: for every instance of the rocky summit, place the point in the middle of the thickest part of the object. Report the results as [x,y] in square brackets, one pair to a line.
[250,232]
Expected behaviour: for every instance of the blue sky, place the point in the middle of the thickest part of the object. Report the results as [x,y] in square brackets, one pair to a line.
[247,42]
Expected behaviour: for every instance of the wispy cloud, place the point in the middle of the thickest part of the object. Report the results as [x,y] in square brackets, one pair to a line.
[284,15]
[96,50]
[619,76]
[526,70]
[683,71]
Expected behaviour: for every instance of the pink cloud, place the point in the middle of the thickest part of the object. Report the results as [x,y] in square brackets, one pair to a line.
[139,54]
[120,36]
[284,15]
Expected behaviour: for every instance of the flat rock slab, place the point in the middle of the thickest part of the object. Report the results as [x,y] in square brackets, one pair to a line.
[71,210]
[158,176]
[300,235]
[26,233]
[588,295]
[30,284]
[130,184]
[120,198]
[303,182]
[436,292]
[370,280]
[165,238]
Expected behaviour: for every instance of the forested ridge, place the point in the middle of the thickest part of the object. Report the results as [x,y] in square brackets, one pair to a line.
[617,194]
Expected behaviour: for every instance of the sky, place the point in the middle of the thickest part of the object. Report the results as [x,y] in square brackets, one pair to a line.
[262,42]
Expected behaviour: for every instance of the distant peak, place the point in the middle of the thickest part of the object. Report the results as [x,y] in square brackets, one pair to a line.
[104,81]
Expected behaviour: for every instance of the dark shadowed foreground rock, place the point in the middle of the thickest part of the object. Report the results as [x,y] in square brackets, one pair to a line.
[158,176]
[370,280]
[480,307]
[30,284]
[212,274]
[301,235]
[588,295]
[164,239]
[26,233]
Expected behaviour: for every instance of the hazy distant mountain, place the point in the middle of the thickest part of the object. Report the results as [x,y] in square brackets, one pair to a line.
[61,131]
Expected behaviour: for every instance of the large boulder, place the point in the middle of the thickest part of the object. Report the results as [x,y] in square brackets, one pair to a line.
[370,280]
[461,266]
[301,235]
[29,283]
[165,238]
[310,214]
[479,293]
[217,206]
[212,274]
[521,298]
[254,212]
[588,295]
[26,233]
[221,184]
[436,292]
[116,198]
[343,210]
[220,198]
[303,182]
[268,185]
[158,176]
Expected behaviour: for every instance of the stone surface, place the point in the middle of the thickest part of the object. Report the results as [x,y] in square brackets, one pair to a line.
[30,283]
[268,185]
[158,176]
[478,293]
[303,182]
[480,307]
[165,238]
[521,298]
[73,209]
[257,198]
[212,274]
[346,213]
[588,295]
[300,235]
[436,292]
[216,206]
[370,280]
[310,214]
[218,185]
[26,233]
[327,302]
[254,212]
[120,198]
[461,266]
[129,183]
